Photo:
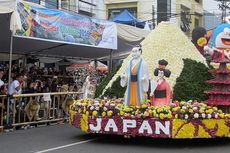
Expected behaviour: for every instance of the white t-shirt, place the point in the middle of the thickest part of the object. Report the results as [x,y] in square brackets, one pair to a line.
[1,83]
[13,87]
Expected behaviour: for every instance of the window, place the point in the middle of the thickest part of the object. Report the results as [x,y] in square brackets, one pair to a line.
[196,22]
[163,10]
[114,12]
[34,1]
[65,4]
[52,4]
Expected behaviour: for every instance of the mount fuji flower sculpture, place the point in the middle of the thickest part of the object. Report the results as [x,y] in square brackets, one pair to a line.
[168,42]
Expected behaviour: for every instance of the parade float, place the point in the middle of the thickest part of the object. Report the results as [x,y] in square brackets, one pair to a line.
[150,77]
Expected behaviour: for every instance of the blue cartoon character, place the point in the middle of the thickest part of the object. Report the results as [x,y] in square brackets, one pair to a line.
[220,43]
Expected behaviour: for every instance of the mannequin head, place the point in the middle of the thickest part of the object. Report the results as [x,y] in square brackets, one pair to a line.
[161,71]
[136,52]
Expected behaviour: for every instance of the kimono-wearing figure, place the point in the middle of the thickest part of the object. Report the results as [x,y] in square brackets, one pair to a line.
[161,93]
[220,43]
[136,78]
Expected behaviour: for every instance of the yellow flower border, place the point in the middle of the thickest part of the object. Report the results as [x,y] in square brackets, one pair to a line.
[185,129]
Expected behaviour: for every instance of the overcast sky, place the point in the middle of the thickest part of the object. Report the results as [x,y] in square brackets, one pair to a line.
[211,6]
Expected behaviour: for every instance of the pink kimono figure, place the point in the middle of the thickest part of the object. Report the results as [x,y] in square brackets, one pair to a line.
[161,93]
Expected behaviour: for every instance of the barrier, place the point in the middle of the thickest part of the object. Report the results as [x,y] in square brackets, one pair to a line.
[37,108]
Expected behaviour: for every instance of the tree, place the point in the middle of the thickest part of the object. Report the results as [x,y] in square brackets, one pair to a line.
[224,5]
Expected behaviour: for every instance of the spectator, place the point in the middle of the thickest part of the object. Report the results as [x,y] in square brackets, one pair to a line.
[1,75]
[15,86]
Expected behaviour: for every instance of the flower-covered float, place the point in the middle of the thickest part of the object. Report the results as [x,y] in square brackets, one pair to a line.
[161,116]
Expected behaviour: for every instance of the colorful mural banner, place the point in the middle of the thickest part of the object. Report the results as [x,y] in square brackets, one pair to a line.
[59,26]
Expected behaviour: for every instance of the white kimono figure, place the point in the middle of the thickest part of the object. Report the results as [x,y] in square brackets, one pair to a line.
[136,78]
[86,90]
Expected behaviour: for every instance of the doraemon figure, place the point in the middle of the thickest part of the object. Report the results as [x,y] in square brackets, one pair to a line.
[220,43]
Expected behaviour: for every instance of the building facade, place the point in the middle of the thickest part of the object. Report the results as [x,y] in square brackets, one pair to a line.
[188,14]
[91,8]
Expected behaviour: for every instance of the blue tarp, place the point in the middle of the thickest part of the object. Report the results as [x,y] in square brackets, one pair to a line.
[127,18]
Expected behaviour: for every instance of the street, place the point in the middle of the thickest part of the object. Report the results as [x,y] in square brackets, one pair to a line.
[64,138]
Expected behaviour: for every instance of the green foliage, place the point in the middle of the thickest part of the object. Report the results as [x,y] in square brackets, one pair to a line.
[116,90]
[191,84]
[104,82]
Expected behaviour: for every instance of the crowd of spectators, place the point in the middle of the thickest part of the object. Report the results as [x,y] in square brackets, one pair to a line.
[43,80]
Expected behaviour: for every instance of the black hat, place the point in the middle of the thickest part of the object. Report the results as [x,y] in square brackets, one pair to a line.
[163,62]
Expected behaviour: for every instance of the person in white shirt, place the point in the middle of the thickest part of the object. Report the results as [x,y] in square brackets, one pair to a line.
[1,75]
[15,87]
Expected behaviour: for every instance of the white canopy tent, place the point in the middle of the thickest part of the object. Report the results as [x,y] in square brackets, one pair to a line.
[128,36]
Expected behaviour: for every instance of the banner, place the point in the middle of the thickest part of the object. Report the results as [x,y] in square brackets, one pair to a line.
[59,26]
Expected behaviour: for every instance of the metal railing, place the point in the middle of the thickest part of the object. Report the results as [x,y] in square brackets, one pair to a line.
[29,109]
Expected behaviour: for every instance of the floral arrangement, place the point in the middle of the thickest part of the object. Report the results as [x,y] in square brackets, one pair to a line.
[207,128]
[188,119]
[167,42]
[177,110]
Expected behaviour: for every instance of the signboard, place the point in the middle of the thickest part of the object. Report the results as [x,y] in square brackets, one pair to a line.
[59,26]
[149,127]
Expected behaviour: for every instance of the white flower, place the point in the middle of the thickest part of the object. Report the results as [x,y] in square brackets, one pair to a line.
[216,115]
[186,116]
[184,107]
[97,108]
[195,108]
[92,107]
[203,115]
[209,116]
[105,108]
[196,115]
[112,104]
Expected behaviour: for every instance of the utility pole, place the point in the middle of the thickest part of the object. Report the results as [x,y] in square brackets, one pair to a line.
[153,16]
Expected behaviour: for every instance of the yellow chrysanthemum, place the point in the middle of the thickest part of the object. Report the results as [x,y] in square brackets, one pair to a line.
[103,114]
[169,116]
[127,109]
[191,111]
[182,111]
[168,107]
[221,115]
[94,113]
[162,116]
[159,110]
[110,113]
[143,106]
[122,113]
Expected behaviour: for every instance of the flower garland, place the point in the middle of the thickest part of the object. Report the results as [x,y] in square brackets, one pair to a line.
[167,42]
[178,110]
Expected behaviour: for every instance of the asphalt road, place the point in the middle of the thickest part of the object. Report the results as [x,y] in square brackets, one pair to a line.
[67,139]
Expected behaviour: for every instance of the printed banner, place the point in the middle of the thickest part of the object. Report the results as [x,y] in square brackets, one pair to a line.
[59,26]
